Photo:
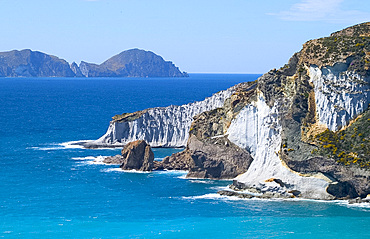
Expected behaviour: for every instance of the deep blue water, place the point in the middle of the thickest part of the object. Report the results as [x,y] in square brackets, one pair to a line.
[49,191]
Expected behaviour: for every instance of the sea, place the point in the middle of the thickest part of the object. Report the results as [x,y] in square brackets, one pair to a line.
[49,189]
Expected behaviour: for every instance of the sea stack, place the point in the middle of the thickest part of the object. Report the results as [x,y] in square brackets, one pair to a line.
[136,155]
[304,126]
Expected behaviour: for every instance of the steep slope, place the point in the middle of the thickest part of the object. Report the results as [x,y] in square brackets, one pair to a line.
[27,63]
[161,126]
[305,127]
[132,63]
[321,89]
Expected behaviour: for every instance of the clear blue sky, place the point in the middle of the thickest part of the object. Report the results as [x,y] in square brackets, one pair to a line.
[230,36]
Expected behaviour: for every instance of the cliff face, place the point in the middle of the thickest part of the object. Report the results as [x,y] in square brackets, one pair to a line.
[133,63]
[160,127]
[295,106]
[27,63]
[305,127]
[130,63]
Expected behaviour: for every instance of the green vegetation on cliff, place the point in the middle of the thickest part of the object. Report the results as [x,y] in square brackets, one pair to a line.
[351,46]
[350,146]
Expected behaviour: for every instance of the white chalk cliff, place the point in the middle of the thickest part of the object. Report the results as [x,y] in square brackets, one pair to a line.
[161,126]
[257,129]
[340,95]
[314,88]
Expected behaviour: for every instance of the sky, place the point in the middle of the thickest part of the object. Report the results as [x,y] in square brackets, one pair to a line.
[230,36]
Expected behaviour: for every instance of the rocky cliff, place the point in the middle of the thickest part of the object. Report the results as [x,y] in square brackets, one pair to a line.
[300,131]
[161,126]
[27,63]
[319,93]
[130,63]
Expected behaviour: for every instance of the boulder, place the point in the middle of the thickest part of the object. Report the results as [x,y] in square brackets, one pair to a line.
[117,159]
[177,161]
[137,155]
[217,158]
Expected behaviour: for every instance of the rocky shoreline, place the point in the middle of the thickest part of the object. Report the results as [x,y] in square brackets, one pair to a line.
[299,131]
[138,156]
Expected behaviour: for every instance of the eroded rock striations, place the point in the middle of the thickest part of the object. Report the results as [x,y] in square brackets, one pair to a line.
[130,63]
[300,131]
[161,126]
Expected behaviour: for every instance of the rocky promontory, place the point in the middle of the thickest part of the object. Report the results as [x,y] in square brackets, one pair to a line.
[130,63]
[299,131]
[27,63]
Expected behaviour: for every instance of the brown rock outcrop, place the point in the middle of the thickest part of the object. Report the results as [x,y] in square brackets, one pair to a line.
[135,155]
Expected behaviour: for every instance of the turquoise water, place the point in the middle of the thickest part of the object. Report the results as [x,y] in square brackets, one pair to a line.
[50,191]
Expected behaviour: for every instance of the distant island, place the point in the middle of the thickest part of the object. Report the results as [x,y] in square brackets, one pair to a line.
[130,63]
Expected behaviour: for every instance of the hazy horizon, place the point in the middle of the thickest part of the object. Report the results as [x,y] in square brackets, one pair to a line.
[198,37]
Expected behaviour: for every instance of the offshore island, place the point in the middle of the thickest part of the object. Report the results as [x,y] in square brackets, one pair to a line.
[299,131]
[130,63]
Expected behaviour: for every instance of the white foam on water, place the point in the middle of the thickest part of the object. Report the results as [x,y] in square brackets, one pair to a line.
[365,206]
[216,196]
[86,158]
[135,171]
[109,170]
[182,177]
[172,172]
[219,188]
[90,160]
[78,145]
[212,196]
[204,181]
[73,144]
[46,148]
[60,146]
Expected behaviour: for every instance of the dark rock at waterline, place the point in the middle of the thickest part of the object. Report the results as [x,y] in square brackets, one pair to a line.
[346,185]
[235,194]
[137,155]
[359,200]
[214,158]
[178,161]
[217,158]
[117,159]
